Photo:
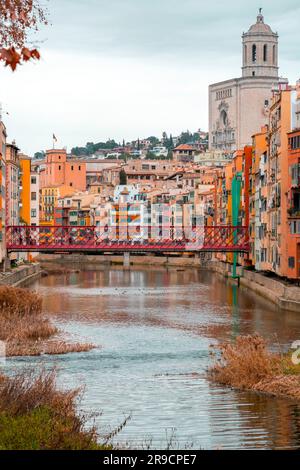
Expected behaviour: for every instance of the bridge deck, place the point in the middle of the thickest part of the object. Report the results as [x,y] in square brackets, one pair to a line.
[58,239]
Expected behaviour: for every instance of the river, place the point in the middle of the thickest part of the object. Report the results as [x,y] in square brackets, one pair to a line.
[153,328]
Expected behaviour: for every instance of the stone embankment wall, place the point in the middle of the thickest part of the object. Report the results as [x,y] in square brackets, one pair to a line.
[284,295]
[187,261]
[20,275]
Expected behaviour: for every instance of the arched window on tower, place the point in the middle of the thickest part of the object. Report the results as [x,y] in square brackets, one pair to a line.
[274,55]
[265,53]
[245,55]
[254,53]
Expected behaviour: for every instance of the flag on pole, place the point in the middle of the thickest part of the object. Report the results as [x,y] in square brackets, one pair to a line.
[54,140]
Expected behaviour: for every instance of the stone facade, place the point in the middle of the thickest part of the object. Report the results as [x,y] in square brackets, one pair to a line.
[238,108]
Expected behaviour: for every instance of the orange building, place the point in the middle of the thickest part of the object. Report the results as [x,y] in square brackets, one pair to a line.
[293,248]
[258,202]
[63,171]
[279,126]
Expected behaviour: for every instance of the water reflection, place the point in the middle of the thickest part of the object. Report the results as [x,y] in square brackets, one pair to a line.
[154,327]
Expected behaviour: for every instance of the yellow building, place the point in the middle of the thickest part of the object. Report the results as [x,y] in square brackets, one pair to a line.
[48,201]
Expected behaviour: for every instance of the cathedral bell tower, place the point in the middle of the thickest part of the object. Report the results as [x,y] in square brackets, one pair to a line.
[260,50]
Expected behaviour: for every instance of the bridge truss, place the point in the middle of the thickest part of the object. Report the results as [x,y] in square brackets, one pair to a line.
[121,239]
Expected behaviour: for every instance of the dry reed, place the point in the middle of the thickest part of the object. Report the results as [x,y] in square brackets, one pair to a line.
[24,328]
[247,364]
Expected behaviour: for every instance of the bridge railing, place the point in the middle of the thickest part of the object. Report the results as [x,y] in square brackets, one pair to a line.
[126,238]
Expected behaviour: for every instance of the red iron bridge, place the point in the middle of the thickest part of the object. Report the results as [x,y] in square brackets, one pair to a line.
[132,239]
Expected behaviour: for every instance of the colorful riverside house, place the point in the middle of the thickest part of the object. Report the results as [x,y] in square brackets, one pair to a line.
[293,248]
[258,193]
[235,170]
[278,179]
[12,209]
[62,211]
[24,187]
[80,211]
[242,168]
[29,192]
[2,190]
[48,201]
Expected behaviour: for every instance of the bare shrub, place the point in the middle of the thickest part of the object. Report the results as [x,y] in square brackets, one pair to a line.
[34,414]
[247,364]
[25,329]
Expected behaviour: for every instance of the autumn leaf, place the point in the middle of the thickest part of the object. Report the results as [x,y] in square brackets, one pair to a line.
[35,54]
[26,54]
[17,19]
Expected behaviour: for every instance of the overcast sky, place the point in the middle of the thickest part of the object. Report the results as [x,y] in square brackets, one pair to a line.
[134,68]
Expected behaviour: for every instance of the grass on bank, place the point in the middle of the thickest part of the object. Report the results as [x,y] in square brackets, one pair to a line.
[35,415]
[25,329]
[248,365]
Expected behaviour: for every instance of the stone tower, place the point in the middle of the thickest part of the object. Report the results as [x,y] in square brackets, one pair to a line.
[260,50]
[238,107]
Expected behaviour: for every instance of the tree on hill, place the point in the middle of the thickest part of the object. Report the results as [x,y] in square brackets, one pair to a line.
[92,148]
[123,177]
[40,155]
[153,140]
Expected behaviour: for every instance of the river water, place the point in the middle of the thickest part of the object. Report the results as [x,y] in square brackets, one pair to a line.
[153,328]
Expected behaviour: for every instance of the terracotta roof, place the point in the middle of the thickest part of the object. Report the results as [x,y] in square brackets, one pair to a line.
[185,147]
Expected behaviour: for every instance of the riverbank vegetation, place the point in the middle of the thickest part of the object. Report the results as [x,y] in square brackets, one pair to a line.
[25,329]
[248,365]
[35,415]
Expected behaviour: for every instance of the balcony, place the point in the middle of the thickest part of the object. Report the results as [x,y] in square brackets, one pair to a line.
[294,212]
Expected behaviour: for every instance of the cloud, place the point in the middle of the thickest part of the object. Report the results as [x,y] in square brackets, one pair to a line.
[129,68]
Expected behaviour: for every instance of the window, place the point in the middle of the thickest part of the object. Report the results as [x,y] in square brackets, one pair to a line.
[274,55]
[295,227]
[245,55]
[79,168]
[72,168]
[253,74]
[33,212]
[291,262]
[254,53]
[33,180]
[265,53]
[71,184]
[59,167]
[33,196]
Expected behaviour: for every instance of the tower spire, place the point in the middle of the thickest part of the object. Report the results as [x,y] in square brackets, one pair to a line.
[260,17]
